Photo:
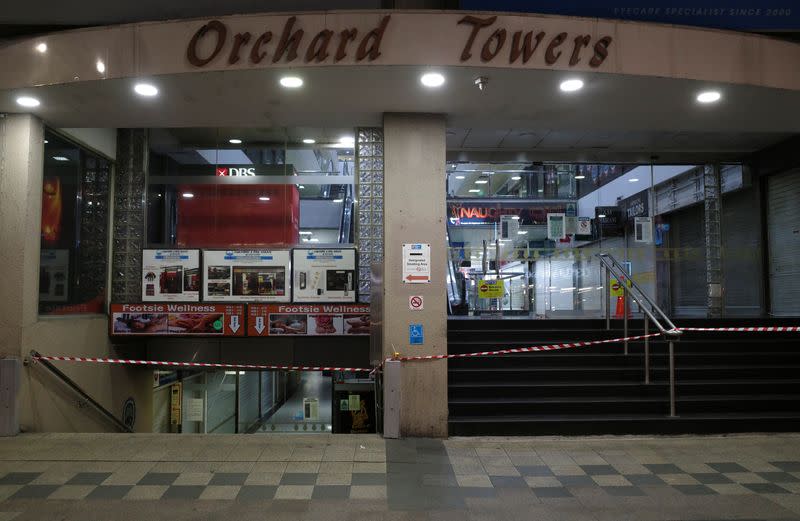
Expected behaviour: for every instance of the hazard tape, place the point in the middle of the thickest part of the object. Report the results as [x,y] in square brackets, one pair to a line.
[498,352]
[752,329]
[199,364]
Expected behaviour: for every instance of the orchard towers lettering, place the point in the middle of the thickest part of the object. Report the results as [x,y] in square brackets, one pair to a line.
[524,45]
[324,45]
[487,39]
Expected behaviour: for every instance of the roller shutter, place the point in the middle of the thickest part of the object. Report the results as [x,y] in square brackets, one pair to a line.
[783,225]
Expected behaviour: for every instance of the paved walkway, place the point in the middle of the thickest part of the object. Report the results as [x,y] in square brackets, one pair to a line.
[328,477]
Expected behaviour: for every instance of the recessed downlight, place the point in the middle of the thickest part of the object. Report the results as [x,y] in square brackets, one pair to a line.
[432,79]
[291,82]
[187,195]
[235,141]
[709,96]
[60,158]
[571,85]
[27,101]
[41,47]
[100,66]
[460,177]
[263,198]
[309,141]
[145,89]
[481,181]
[301,187]
[633,180]
[474,191]
[306,233]
[580,177]
[516,178]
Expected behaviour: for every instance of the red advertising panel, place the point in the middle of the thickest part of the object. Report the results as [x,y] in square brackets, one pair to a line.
[148,319]
[308,319]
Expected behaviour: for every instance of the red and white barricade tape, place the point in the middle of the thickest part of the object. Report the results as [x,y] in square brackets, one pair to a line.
[498,352]
[750,329]
[199,364]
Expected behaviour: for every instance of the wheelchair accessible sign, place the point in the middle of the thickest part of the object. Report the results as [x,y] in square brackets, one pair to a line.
[416,334]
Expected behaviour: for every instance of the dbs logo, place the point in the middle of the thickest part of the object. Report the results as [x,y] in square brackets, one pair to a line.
[235,172]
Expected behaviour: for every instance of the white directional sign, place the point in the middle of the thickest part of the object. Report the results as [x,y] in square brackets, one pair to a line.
[416,263]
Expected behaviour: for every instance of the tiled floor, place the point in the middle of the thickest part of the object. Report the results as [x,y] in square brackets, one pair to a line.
[326,477]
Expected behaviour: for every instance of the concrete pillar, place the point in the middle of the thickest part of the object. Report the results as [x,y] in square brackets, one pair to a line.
[415,212]
[21,156]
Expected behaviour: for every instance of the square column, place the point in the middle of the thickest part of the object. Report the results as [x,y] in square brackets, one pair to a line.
[415,212]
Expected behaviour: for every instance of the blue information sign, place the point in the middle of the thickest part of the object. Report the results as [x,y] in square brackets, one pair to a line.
[416,334]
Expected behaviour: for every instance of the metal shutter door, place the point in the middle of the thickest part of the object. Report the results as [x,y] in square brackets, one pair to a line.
[783,225]
[741,253]
[688,267]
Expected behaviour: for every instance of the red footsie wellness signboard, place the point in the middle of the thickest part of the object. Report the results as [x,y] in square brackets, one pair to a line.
[308,319]
[148,319]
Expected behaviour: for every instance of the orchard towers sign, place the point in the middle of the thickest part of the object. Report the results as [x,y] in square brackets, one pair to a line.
[214,40]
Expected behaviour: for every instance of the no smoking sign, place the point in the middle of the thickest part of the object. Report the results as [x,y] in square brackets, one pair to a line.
[415,302]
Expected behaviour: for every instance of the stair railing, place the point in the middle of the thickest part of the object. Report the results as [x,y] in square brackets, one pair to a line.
[651,311]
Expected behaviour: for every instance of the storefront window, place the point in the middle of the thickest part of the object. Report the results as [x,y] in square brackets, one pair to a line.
[74,229]
[206,192]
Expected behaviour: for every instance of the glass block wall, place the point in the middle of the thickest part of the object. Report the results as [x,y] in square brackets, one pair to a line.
[93,253]
[369,166]
[129,211]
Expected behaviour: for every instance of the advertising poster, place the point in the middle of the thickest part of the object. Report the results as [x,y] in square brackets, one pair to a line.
[308,319]
[556,228]
[54,276]
[170,275]
[324,275]
[177,319]
[246,275]
[491,288]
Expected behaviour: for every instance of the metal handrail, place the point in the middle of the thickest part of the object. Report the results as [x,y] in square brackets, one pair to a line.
[36,357]
[612,266]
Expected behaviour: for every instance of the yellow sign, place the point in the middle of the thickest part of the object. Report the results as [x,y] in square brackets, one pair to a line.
[491,288]
[616,288]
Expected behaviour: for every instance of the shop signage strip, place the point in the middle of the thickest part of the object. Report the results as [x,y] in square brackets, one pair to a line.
[177,319]
[199,364]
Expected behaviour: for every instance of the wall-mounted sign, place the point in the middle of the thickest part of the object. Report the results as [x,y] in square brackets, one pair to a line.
[609,221]
[416,303]
[324,275]
[54,276]
[509,226]
[246,275]
[416,334]
[491,288]
[556,227]
[308,319]
[170,275]
[148,319]
[416,263]
[583,226]
[643,229]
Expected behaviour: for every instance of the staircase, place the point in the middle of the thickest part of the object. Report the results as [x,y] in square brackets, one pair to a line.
[726,382]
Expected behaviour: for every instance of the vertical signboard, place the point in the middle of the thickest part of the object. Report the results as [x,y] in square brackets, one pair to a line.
[416,263]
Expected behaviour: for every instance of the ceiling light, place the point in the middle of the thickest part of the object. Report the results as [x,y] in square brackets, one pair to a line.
[313,239]
[516,178]
[338,200]
[432,79]
[475,191]
[60,158]
[263,198]
[347,140]
[602,216]
[488,173]
[42,47]
[580,177]
[460,177]
[571,85]
[633,180]
[235,141]
[101,67]
[27,101]
[301,187]
[46,142]
[187,195]
[522,232]
[309,141]
[145,89]
[291,82]
[481,181]
[515,217]
[306,233]
[540,190]
[709,96]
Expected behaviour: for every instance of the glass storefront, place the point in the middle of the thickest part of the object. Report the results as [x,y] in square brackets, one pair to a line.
[524,237]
